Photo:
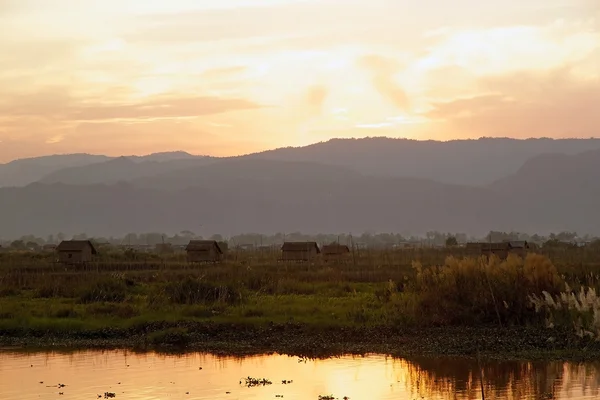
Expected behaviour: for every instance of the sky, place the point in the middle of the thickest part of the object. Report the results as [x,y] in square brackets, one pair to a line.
[230,77]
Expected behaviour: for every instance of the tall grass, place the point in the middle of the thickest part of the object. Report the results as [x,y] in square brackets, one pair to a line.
[481,291]
[385,288]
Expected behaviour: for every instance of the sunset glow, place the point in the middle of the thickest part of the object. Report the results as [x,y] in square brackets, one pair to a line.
[231,77]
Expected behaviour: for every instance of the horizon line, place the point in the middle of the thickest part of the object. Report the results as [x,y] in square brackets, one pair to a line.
[304,146]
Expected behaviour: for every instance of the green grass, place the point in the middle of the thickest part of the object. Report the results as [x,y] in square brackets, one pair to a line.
[180,304]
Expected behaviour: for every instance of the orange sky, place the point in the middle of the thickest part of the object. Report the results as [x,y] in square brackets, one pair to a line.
[235,76]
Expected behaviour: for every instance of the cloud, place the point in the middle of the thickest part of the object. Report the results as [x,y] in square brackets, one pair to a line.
[527,104]
[315,98]
[162,107]
[467,107]
[225,72]
[383,71]
[59,104]
[55,139]
[465,70]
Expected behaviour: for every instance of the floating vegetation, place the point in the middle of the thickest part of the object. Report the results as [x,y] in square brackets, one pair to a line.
[251,382]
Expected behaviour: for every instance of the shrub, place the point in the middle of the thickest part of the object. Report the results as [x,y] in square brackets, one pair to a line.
[196,291]
[471,291]
[107,289]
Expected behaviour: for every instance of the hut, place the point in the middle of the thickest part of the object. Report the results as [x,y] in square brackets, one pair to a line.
[75,251]
[519,247]
[299,251]
[204,251]
[335,252]
[498,249]
[224,246]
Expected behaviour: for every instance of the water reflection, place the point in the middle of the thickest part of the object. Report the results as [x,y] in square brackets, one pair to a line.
[150,376]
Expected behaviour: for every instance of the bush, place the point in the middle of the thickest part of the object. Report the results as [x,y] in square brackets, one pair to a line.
[471,291]
[197,291]
[108,289]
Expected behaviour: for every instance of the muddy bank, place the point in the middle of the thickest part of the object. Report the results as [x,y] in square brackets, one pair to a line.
[306,341]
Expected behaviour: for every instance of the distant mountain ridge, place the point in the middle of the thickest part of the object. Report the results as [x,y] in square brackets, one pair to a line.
[242,195]
[328,187]
[466,162]
[28,170]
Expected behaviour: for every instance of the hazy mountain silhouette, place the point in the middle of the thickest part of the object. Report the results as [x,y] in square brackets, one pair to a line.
[235,196]
[121,169]
[467,162]
[548,192]
[351,204]
[231,172]
[551,186]
[25,171]
[165,156]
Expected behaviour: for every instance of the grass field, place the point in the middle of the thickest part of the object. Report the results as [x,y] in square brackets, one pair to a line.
[371,297]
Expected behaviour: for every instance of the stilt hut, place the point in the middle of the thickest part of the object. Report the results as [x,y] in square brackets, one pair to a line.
[75,251]
[300,251]
[335,252]
[204,251]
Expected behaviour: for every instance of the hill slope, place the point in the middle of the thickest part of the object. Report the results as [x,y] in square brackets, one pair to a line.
[121,169]
[270,196]
[29,170]
[552,186]
[466,162]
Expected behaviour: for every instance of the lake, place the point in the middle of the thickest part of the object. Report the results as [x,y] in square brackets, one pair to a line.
[150,376]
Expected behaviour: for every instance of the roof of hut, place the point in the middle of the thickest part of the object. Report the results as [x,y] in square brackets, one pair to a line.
[300,246]
[335,248]
[76,245]
[203,245]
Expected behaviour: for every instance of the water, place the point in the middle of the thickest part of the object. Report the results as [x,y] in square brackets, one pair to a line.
[153,376]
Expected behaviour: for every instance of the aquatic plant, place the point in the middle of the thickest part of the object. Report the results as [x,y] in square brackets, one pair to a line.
[251,382]
[579,309]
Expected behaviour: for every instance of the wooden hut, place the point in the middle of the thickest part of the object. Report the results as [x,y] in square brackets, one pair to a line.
[204,251]
[335,252]
[224,246]
[498,249]
[299,251]
[75,251]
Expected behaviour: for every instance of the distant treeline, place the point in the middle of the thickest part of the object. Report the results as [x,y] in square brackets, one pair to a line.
[431,239]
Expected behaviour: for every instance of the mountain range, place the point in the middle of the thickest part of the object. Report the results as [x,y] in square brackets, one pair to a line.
[343,185]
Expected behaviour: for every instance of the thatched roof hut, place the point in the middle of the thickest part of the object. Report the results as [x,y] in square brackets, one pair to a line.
[300,251]
[75,251]
[204,251]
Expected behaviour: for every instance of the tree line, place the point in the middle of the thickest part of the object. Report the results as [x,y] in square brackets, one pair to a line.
[371,239]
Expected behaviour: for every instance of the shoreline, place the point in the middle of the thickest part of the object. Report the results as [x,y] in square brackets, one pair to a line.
[517,343]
